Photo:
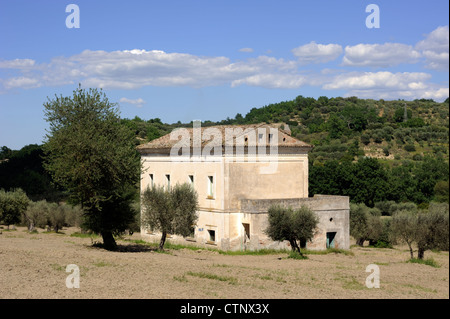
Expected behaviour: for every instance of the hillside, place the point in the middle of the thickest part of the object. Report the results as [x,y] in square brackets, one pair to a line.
[342,127]
[370,150]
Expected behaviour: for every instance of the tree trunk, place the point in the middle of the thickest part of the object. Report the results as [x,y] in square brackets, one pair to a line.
[420,253]
[109,242]
[295,246]
[360,242]
[411,250]
[163,240]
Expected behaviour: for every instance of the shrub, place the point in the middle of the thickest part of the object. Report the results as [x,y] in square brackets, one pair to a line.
[365,139]
[12,205]
[56,217]
[36,215]
[410,148]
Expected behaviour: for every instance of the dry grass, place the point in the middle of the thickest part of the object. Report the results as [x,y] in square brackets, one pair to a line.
[33,266]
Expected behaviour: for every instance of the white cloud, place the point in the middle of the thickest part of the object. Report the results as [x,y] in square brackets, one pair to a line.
[267,80]
[17,64]
[138,102]
[134,69]
[246,50]
[139,68]
[371,80]
[387,85]
[435,49]
[317,53]
[379,55]
[21,82]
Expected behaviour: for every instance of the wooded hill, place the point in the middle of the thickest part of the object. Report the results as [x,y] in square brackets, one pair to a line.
[370,150]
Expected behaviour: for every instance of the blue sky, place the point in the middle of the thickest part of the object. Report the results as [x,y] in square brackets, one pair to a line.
[208,60]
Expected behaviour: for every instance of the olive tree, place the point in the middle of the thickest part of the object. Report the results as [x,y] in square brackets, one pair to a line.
[12,205]
[428,229]
[403,228]
[36,215]
[89,153]
[365,224]
[172,211]
[432,231]
[296,226]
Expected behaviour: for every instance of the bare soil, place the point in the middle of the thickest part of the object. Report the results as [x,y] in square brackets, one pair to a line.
[34,266]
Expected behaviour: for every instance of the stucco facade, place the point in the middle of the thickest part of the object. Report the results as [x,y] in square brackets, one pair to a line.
[236,189]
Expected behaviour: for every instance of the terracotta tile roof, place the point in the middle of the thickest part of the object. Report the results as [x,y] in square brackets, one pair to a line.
[248,135]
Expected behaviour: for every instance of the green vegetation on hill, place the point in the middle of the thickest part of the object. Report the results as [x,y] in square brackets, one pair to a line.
[370,150]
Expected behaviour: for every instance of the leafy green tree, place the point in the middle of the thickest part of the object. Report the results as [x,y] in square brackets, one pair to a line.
[12,205]
[24,170]
[354,150]
[358,222]
[403,228]
[336,126]
[428,172]
[369,182]
[56,216]
[36,215]
[93,156]
[432,231]
[441,191]
[296,226]
[171,211]
[399,115]
[5,152]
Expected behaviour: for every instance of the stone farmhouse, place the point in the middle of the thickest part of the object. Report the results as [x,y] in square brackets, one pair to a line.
[238,173]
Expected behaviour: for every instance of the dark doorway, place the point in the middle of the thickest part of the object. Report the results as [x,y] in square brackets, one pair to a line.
[247,230]
[330,239]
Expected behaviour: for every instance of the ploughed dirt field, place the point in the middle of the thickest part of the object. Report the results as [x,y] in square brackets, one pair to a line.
[34,266]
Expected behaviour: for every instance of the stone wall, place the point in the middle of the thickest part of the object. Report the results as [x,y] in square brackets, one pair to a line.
[244,230]
[333,213]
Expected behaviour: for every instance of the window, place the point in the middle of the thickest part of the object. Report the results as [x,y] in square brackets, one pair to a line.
[192,232]
[260,138]
[210,187]
[168,181]
[151,181]
[212,235]
[270,138]
[191,180]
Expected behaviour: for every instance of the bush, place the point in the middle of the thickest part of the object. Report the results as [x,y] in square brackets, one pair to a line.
[12,205]
[365,139]
[36,215]
[389,208]
[410,148]
[441,191]
[55,216]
